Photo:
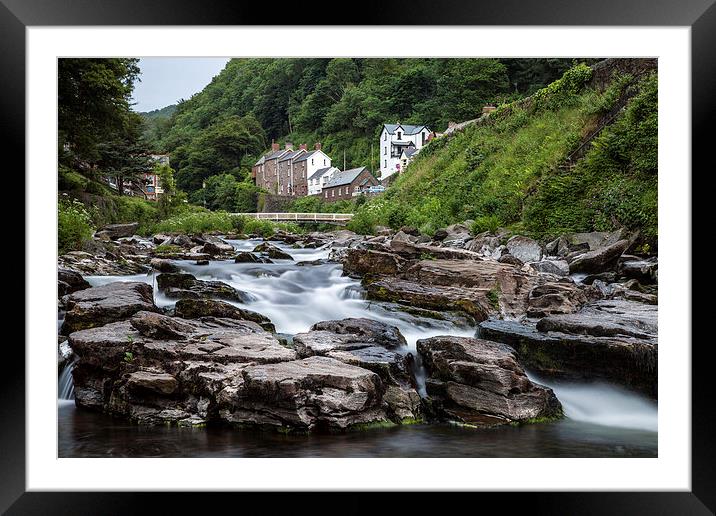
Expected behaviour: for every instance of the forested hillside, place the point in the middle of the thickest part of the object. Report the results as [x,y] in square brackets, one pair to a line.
[576,156]
[339,102]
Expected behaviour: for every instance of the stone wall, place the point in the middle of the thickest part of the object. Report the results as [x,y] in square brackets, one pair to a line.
[270,203]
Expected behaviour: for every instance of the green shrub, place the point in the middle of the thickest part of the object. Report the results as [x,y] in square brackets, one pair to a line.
[489,223]
[362,224]
[74,225]
[195,223]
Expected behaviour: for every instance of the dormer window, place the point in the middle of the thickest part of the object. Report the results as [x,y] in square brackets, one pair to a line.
[399,133]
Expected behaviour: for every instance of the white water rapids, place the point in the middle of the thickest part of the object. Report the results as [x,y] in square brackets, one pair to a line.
[295,297]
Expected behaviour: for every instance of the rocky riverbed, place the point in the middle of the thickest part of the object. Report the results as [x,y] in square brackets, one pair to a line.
[328,332]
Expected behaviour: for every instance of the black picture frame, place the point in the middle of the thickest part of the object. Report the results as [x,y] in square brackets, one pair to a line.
[699,15]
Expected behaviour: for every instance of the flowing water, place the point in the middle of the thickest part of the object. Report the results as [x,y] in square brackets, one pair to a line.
[602,420]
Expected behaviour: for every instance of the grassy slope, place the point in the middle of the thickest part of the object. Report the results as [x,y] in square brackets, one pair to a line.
[506,173]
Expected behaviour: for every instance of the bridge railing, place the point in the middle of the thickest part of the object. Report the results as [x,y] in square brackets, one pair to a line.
[300,217]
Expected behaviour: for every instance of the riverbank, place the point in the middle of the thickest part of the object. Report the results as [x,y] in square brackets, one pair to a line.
[354,363]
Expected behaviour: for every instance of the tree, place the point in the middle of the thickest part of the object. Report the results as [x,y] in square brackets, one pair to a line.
[93,102]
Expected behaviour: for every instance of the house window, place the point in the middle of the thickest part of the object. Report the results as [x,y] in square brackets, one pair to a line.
[311,161]
[385,137]
[385,163]
[423,138]
[324,162]
[385,151]
[399,134]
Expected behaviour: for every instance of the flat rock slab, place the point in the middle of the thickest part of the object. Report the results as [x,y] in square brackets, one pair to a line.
[480,382]
[195,308]
[97,306]
[473,301]
[361,262]
[182,285]
[614,340]
[316,393]
[156,369]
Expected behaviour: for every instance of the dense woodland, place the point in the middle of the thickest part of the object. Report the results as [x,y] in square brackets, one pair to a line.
[339,102]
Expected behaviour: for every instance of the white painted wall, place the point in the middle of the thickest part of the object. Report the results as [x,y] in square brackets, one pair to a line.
[390,165]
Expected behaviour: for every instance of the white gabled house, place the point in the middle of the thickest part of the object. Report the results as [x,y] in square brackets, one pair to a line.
[394,139]
[319,178]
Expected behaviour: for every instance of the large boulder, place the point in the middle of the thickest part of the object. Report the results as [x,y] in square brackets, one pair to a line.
[599,260]
[479,382]
[475,302]
[148,368]
[555,267]
[163,265]
[97,306]
[593,240]
[69,281]
[105,264]
[643,270]
[313,394]
[611,340]
[116,231]
[524,249]
[183,285]
[247,257]
[195,308]
[558,298]
[361,262]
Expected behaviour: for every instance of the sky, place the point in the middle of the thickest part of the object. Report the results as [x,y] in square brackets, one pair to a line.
[165,80]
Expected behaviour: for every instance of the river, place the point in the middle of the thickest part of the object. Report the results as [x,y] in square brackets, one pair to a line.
[601,420]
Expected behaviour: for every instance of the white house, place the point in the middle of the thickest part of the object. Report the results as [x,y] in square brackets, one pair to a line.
[407,156]
[394,138]
[320,177]
[315,160]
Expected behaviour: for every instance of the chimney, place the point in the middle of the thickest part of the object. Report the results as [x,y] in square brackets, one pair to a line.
[274,146]
[289,146]
[303,146]
[318,146]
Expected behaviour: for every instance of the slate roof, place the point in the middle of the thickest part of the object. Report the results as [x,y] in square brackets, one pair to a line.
[306,156]
[291,155]
[260,161]
[410,152]
[275,155]
[407,129]
[344,178]
[319,173]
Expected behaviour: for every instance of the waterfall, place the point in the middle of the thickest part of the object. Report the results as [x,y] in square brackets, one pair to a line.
[66,387]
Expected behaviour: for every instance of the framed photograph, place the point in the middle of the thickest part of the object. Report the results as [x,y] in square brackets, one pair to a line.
[434,249]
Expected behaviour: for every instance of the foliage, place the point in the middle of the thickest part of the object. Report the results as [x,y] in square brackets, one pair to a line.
[93,102]
[506,171]
[74,225]
[615,185]
[195,223]
[340,102]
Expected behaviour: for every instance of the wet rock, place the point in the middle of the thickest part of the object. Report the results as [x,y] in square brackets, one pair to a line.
[115,231]
[504,286]
[593,240]
[272,251]
[163,265]
[313,394]
[479,382]
[555,298]
[599,260]
[611,340]
[201,262]
[606,277]
[97,306]
[196,308]
[69,281]
[217,247]
[510,259]
[524,249]
[556,267]
[645,271]
[359,262]
[377,332]
[472,301]
[88,264]
[558,247]
[161,383]
[247,257]
[156,369]
[160,239]
[182,285]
